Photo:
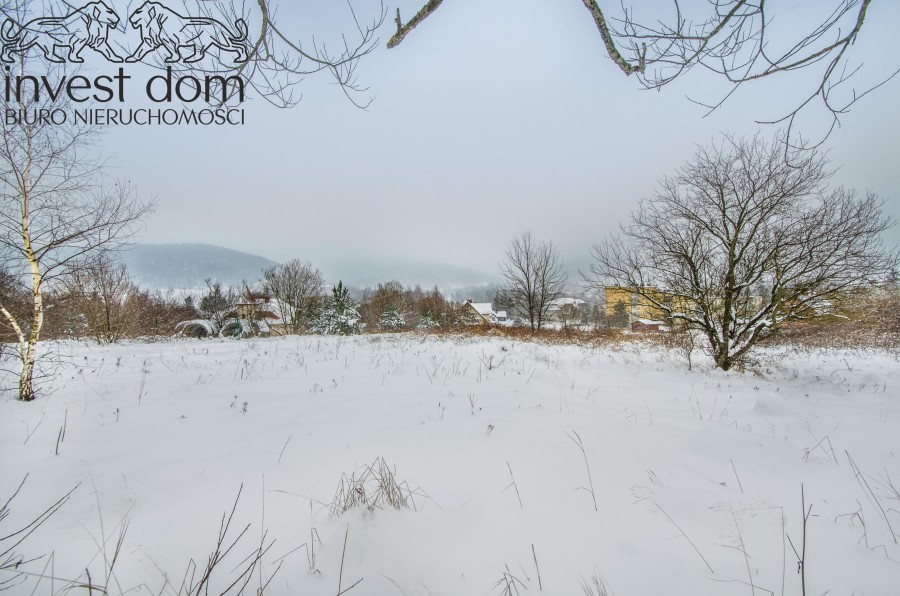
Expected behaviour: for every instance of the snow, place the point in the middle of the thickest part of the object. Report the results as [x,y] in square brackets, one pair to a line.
[483,308]
[686,466]
[558,303]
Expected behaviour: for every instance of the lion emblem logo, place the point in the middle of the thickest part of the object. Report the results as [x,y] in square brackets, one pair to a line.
[85,27]
[183,38]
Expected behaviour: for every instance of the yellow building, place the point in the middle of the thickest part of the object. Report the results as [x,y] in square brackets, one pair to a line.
[640,306]
[624,302]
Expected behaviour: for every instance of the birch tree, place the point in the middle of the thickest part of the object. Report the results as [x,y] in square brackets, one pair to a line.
[58,212]
[739,241]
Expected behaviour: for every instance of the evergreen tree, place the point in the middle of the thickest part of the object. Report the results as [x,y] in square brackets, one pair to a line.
[338,315]
[217,304]
[426,321]
[391,319]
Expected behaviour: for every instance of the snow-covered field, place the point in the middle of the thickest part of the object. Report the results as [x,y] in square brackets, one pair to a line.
[696,474]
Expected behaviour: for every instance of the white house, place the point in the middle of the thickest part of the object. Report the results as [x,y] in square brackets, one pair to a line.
[484,312]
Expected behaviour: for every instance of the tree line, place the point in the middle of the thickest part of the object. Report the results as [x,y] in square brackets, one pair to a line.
[744,238]
[102,302]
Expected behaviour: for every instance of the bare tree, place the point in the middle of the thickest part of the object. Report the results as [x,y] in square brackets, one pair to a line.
[296,287]
[740,41]
[534,277]
[738,241]
[57,211]
[101,292]
[157,313]
[431,309]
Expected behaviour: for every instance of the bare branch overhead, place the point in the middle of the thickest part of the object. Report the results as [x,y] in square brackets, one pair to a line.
[734,40]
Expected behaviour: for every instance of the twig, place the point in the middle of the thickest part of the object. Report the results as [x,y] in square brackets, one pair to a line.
[514,485]
[744,551]
[28,436]
[538,569]
[580,444]
[26,530]
[870,494]
[62,432]
[343,554]
[801,556]
[738,477]
[686,537]
[247,566]
[285,447]
[341,573]
[510,583]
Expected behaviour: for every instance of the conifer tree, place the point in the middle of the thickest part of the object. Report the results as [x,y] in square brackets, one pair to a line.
[391,319]
[338,315]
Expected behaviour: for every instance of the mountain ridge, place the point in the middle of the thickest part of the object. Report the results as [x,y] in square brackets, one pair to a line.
[187,265]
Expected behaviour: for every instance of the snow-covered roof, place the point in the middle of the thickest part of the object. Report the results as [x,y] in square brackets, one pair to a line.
[560,302]
[501,314]
[272,312]
[483,308]
[649,322]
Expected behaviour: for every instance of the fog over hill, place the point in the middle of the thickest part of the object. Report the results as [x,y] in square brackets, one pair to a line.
[409,273]
[186,266]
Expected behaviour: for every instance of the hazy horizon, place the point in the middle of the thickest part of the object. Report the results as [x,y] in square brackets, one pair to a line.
[186,266]
[490,119]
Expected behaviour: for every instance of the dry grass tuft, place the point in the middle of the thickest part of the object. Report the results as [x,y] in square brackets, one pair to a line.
[595,585]
[374,486]
[509,584]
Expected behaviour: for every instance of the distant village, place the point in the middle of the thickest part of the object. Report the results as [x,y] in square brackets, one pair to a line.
[390,308]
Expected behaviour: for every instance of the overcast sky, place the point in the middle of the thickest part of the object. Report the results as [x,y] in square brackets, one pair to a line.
[492,117]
